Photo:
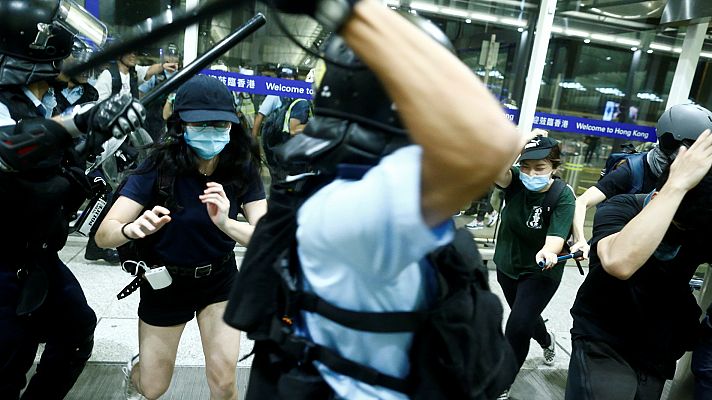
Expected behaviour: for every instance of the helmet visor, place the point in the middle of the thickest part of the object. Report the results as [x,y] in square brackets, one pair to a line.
[78,21]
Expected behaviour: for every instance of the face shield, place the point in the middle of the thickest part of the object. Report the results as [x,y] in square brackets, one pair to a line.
[79,22]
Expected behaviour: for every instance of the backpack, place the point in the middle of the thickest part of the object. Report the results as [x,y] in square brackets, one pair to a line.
[275,130]
[458,349]
[635,160]
[549,204]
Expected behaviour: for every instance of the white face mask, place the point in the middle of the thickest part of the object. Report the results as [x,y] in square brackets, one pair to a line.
[207,142]
[535,183]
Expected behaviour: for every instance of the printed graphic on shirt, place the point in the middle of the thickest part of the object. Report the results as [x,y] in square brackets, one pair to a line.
[534,220]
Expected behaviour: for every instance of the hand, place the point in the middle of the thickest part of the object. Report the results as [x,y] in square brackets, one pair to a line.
[583,246]
[116,116]
[549,258]
[148,223]
[691,165]
[170,67]
[218,205]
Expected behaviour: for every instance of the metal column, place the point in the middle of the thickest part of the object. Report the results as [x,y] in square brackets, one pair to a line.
[686,65]
[190,38]
[536,67]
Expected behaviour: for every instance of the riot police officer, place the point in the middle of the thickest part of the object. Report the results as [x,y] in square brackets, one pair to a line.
[40,187]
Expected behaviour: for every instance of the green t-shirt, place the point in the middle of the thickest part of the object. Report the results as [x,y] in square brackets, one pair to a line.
[522,234]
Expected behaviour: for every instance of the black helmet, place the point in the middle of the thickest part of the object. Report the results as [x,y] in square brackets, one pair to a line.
[356,122]
[286,71]
[35,35]
[682,124]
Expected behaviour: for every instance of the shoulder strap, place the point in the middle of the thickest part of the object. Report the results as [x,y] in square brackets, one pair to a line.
[166,190]
[115,78]
[636,168]
[288,114]
[551,198]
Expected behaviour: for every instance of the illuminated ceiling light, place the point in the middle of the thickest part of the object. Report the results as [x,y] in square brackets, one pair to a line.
[602,38]
[587,41]
[413,12]
[706,55]
[513,21]
[483,17]
[557,29]
[394,8]
[633,48]
[520,30]
[454,12]
[608,58]
[468,21]
[661,47]
[574,32]
[628,42]
[417,5]
[649,51]
[677,49]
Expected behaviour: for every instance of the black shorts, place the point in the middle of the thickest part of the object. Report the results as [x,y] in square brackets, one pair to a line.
[181,300]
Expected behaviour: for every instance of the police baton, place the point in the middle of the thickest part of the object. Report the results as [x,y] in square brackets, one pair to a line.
[206,59]
[576,254]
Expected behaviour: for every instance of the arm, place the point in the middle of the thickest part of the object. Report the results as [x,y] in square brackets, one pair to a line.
[126,211]
[167,109]
[295,126]
[591,197]
[623,253]
[218,206]
[258,124]
[460,158]
[156,69]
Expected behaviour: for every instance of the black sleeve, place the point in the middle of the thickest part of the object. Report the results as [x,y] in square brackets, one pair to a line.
[613,215]
[618,181]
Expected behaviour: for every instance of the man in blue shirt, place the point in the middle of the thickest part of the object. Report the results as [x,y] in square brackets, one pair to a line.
[362,240]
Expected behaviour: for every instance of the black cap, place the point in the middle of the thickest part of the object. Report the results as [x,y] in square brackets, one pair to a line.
[538,148]
[203,98]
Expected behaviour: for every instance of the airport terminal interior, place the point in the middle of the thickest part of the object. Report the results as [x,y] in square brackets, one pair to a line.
[603,73]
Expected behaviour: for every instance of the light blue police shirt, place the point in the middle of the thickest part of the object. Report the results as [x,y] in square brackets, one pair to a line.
[360,246]
[73,94]
[48,101]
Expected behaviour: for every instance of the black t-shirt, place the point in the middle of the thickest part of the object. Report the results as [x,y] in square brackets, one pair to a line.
[300,111]
[191,238]
[620,180]
[652,317]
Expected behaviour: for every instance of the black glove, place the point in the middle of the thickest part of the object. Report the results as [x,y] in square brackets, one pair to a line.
[116,116]
[330,13]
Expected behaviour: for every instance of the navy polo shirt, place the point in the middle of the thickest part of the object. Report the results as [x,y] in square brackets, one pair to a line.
[190,238]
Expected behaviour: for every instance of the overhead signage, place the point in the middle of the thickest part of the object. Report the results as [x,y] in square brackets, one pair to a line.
[263,85]
[588,126]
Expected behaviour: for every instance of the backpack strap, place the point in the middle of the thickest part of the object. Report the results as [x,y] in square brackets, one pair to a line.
[638,171]
[288,114]
[552,198]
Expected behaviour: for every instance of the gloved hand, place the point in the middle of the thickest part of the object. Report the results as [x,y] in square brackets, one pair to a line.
[116,116]
[330,13]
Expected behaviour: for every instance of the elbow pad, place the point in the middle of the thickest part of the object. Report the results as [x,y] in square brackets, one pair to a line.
[35,142]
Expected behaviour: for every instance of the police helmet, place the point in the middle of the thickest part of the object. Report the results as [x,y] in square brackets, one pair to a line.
[356,122]
[35,35]
[286,71]
[682,124]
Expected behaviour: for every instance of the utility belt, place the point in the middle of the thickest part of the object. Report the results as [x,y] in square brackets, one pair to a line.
[159,275]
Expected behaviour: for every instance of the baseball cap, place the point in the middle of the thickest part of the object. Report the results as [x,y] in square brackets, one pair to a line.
[204,98]
[538,148]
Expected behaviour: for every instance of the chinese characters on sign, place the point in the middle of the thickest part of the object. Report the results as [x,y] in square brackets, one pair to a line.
[263,85]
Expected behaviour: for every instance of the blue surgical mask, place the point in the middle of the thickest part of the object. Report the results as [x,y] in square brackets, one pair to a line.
[208,141]
[535,183]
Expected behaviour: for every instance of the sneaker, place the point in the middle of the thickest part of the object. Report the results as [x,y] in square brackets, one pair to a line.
[504,395]
[476,225]
[130,390]
[550,352]
[94,252]
[492,218]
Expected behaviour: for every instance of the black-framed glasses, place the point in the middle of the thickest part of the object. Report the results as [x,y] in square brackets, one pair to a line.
[200,126]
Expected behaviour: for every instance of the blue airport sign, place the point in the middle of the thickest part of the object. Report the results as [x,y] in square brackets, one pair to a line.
[263,85]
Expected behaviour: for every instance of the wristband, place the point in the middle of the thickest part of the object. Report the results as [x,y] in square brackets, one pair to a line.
[124,233]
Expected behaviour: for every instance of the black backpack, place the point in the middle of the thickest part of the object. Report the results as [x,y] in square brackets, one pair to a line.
[275,130]
[549,204]
[458,350]
[637,168]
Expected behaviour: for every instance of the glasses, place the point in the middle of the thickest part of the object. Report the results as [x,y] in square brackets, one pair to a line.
[200,126]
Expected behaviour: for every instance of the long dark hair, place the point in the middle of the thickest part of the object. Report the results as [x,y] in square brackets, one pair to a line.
[238,161]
